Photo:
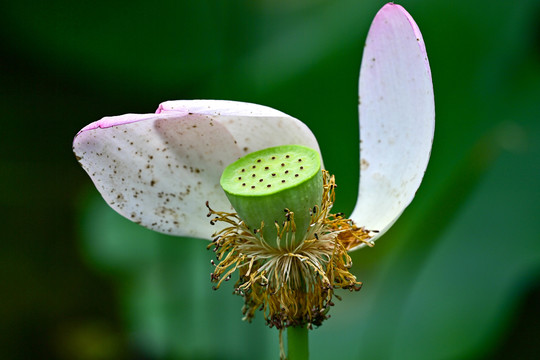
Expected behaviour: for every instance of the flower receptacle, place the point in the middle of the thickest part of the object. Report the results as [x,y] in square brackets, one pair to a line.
[268,187]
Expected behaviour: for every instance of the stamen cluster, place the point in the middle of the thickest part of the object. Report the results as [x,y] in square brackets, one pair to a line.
[293,285]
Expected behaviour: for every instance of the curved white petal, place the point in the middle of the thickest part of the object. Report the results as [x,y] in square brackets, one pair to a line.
[272,127]
[397,118]
[160,169]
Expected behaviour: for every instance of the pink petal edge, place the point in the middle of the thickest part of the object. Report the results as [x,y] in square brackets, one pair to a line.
[415,28]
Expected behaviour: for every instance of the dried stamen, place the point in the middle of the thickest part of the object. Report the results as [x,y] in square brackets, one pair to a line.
[293,285]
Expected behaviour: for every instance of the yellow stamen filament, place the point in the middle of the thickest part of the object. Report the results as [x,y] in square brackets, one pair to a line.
[291,285]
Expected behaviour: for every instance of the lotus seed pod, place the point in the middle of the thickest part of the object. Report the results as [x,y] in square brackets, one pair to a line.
[264,187]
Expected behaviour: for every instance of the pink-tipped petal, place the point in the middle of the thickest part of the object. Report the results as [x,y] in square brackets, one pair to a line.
[397,118]
[158,170]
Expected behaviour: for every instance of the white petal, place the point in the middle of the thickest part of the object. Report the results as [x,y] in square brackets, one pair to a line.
[253,126]
[160,169]
[397,118]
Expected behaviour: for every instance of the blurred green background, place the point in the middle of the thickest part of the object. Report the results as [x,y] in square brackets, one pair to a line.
[457,277]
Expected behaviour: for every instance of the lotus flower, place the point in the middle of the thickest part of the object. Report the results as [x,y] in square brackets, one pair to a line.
[159,170]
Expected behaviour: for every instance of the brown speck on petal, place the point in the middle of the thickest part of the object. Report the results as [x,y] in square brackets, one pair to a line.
[364,164]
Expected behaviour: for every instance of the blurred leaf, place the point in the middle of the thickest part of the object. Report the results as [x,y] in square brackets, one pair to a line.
[481,265]
[167,299]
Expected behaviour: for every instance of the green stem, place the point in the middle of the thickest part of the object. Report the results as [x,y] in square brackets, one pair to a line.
[297,343]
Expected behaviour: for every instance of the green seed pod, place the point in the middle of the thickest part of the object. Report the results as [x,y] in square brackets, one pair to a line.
[263,184]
